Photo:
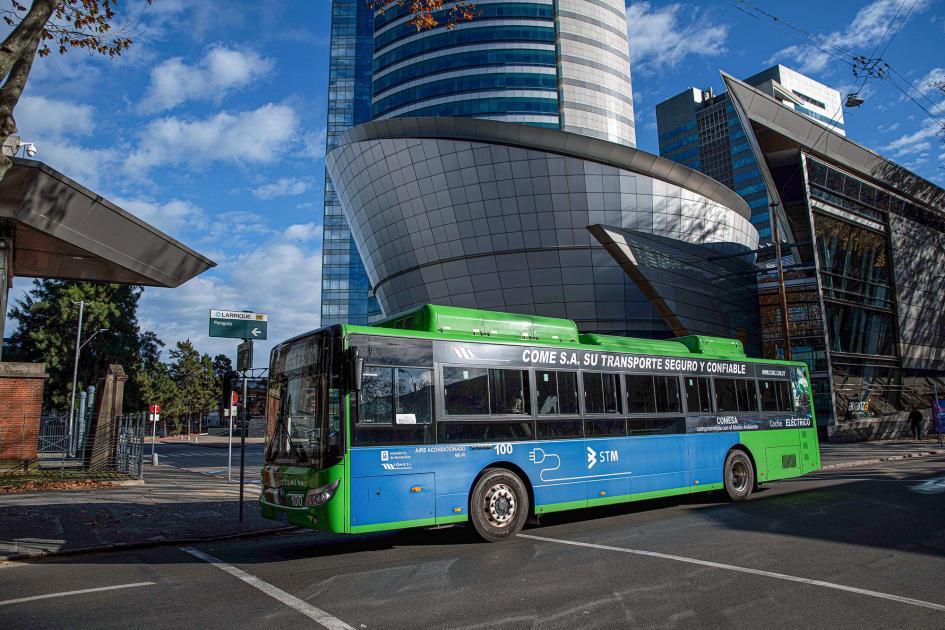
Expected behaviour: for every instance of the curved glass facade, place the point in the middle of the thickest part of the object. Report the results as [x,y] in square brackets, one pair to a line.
[465,83]
[498,57]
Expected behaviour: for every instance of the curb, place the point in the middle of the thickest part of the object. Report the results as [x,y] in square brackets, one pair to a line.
[879,460]
[42,555]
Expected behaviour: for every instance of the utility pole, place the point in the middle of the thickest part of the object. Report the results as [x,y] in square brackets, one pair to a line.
[75,367]
[782,292]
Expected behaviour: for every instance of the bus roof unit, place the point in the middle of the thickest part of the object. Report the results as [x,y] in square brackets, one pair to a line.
[453,319]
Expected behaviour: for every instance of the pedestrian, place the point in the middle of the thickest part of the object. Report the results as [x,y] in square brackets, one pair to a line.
[915,422]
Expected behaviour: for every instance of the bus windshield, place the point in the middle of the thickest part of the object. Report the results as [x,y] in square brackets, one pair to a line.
[304,406]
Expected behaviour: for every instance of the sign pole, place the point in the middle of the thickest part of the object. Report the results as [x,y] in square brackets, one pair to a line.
[243,444]
[153,440]
[229,459]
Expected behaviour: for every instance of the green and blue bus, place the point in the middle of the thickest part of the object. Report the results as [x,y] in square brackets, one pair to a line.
[446,415]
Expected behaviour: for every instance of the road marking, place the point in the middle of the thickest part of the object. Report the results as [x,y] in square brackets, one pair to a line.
[315,614]
[731,567]
[67,593]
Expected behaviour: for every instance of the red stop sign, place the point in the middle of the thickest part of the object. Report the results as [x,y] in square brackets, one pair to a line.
[155,408]
[234,398]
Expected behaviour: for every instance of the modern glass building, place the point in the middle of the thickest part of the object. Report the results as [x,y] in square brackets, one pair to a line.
[561,64]
[865,270]
[503,216]
[700,129]
[346,292]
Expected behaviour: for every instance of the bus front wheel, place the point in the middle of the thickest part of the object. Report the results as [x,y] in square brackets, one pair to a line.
[498,506]
[739,475]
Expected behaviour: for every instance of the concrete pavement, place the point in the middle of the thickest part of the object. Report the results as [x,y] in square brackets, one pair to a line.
[839,549]
[172,505]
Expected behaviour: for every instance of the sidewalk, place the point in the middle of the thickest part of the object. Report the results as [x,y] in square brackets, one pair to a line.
[213,441]
[172,505]
[862,453]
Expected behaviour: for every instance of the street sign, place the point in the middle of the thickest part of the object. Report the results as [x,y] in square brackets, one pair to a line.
[155,417]
[244,355]
[155,409]
[234,398]
[238,324]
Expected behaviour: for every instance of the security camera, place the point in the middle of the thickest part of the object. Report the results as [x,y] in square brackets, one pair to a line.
[29,148]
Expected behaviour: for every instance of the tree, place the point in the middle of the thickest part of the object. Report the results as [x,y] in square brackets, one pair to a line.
[47,316]
[158,388]
[47,25]
[940,86]
[193,375]
[426,14]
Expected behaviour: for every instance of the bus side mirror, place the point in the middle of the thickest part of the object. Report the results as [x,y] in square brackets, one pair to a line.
[356,367]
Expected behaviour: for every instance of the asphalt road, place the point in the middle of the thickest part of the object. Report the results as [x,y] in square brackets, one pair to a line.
[211,460]
[861,547]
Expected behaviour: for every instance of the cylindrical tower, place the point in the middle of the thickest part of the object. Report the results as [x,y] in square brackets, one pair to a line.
[561,64]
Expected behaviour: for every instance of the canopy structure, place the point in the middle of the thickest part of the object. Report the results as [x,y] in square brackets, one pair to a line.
[53,227]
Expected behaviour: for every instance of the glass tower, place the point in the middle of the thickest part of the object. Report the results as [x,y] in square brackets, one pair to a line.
[346,293]
[700,129]
[562,64]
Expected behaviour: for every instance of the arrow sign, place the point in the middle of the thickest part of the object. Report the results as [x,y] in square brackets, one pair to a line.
[238,324]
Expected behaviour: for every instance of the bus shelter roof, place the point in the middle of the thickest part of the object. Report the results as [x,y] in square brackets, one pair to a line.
[62,230]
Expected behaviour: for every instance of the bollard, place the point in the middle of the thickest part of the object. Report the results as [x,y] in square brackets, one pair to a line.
[154,459]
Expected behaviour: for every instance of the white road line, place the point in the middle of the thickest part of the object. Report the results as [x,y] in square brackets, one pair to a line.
[67,593]
[315,614]
[731,567]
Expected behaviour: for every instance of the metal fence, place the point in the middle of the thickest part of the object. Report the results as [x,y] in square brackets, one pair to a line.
[93,444]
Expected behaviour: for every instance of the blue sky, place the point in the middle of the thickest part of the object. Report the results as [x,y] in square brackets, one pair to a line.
[212,126]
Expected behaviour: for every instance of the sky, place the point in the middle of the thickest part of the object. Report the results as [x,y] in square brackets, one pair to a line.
[212,126]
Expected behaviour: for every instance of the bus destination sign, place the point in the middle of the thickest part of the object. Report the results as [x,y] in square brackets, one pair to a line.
[238,324]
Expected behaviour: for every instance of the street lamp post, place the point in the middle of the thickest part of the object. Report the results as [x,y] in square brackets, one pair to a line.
[79,344]
[75,368]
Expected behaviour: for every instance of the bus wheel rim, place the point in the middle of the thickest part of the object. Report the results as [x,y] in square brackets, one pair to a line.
[739,476]
[500,505]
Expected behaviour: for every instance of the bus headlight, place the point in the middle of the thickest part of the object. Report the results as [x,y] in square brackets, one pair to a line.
[322,494]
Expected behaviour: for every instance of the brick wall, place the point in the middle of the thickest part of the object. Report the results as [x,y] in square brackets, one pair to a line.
[21,403]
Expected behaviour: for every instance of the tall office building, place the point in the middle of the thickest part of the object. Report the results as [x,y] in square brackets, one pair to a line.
[700,129]
[345,287]
[561,64]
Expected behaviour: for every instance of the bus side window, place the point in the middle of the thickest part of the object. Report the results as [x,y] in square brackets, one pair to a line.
[775,396]
[697,395]
[557,392]
[601,393]
[735,394]
[414,396]
[641,396]
[376,397]
[667,394]
[466,391]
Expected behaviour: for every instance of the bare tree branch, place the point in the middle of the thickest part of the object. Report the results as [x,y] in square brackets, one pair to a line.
[28,31]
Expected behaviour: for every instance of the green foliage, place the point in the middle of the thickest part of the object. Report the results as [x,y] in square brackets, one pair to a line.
[47,317]
[197,384]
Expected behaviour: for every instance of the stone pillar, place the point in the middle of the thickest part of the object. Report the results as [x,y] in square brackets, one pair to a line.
[21,404]
[103,428]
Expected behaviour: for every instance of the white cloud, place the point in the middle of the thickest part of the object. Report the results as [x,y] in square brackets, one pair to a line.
[289,292]
[84,165]
[41,116]
[174,216]
[221,71]
[664,36]
[926,84]
[258,136]
[916,142]
[868,26]
[302,232]
[313,144]
[282,187]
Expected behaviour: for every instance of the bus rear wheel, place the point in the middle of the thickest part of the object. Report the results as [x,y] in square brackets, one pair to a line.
[498,506]
[739,475]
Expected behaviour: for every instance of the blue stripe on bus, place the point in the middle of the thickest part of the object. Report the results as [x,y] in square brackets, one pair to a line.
[404,483]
